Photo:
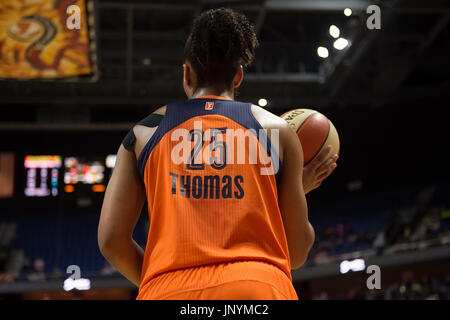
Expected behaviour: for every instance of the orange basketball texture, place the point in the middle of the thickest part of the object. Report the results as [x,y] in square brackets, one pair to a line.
[314,130]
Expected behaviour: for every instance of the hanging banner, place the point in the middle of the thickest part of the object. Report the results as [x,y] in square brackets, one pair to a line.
[45,39]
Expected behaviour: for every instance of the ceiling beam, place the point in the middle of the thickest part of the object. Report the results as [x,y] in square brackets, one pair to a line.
[260,19]
[318,5]
[147,6]
[283,77]
[435,31]
[40,126]
[422,10]
[143,35]
[275,5]
[350,58]
[129,50]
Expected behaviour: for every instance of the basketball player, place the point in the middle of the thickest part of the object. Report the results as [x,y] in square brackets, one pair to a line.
[218,230]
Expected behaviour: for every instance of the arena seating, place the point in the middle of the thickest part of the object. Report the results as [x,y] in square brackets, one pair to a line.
[65,240]
[341,227]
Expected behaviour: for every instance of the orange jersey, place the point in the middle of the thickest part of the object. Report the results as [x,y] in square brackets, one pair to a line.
[209,203]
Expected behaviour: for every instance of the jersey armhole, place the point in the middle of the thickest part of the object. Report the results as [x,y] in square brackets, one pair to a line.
[155,122]
[151,121]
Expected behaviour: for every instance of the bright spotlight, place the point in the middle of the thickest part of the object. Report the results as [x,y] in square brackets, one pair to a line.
[79,284]
[352,265]
[262,102]
[322,52]
[348,12]
[340,43]
[334,31]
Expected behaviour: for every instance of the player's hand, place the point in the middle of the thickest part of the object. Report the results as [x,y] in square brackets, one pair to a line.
[318,169]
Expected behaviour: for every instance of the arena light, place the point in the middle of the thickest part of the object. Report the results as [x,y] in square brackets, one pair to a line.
[98,188]
[334,31]
[111,161]
[262,102]
[79,284]
[353,265]
[340,44]
[146,61]
[348,12]
[322,52]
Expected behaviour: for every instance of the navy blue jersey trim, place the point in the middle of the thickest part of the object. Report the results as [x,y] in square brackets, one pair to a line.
[153,120]
[154,139]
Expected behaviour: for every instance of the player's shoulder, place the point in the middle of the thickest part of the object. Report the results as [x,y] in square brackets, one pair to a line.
[267,119]
[153,119]
[271,122]
[143,130]
[160,111]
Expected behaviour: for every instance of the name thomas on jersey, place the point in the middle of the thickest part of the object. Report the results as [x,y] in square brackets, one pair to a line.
[218,148]
[207,187]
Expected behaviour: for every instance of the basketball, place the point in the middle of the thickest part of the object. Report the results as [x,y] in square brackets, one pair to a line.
[314,130]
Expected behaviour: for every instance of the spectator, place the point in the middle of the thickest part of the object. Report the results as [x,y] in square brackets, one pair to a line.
[107,269]
[379,242]
[26,267]
[340,230]
[6,278]
[56,274]
[322,296]
[38,273]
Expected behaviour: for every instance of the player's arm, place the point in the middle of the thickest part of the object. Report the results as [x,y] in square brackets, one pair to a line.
[123,202]
[292,202]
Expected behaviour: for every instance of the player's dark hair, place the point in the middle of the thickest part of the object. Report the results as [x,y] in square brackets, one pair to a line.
[221,40]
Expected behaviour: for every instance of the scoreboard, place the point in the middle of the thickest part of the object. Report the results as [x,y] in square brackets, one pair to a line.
[83,171]
[44,174]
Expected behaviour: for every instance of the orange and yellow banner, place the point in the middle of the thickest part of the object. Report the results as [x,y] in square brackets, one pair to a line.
[44,39]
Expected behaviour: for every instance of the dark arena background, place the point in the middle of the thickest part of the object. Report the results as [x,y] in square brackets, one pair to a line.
[68,96]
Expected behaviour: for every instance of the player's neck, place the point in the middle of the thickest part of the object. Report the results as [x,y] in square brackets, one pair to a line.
[228,94]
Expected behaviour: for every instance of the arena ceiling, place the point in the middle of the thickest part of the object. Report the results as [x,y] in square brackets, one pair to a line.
[140,45]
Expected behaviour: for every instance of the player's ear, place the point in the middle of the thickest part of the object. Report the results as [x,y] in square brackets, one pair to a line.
[238,77]
[186,74]
[187,79]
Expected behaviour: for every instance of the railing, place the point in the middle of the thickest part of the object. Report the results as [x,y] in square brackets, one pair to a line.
[399,254]
[419,245]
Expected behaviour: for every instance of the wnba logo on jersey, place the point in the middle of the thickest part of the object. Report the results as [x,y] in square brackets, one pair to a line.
[209,105]
[219,147]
